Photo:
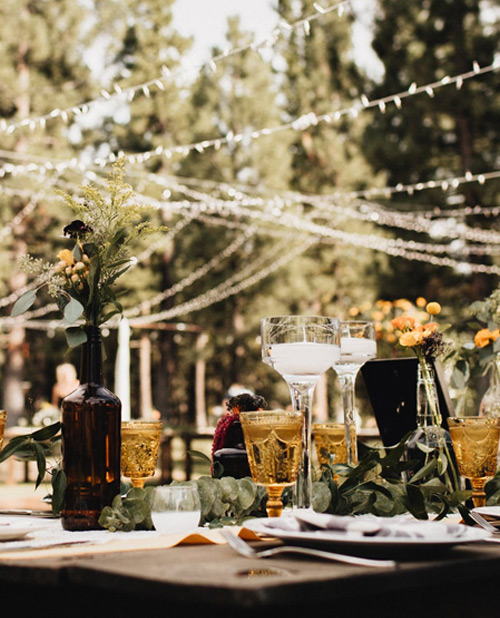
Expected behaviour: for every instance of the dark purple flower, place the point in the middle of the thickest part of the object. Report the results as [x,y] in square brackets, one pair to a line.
[76,229]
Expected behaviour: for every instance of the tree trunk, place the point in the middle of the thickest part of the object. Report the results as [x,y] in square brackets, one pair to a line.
[13,391]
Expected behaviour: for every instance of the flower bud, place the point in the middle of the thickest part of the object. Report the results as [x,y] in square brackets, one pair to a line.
[75,278]
[79,266]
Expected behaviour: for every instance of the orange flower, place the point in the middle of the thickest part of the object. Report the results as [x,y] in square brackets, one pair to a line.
[421,302]
[484,336]
[403,322]
[429,328]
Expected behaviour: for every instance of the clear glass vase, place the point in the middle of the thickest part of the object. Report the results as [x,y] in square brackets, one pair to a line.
[430,439]
[490,402]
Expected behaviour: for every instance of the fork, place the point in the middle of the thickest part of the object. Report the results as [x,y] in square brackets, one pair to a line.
[479,519]
[239,545]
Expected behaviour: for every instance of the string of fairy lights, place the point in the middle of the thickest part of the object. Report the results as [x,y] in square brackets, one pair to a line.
[280,215]
[160,82]
[301,123]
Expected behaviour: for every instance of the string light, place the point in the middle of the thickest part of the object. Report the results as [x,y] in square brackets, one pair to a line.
[158,82]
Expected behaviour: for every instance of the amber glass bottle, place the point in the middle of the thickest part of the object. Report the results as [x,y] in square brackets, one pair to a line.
[91,422]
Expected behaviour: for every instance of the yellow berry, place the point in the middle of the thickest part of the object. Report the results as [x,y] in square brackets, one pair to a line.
[433,308]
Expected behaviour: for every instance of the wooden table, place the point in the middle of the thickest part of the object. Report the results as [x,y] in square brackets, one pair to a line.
[206,580]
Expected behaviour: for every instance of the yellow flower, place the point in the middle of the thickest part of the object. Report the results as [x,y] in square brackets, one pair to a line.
[411,338]
[433,308]
[66,256]
[421,302]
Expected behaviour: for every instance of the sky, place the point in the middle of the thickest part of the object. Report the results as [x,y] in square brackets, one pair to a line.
[206,21]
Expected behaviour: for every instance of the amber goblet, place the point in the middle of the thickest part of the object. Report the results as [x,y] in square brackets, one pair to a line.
[475,442]
[139,451]
[274,443]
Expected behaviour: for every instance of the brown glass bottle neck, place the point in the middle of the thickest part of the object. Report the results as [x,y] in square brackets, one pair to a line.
[91,359]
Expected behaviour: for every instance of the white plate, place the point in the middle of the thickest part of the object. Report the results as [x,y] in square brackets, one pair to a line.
[488,511]
[358,544]
[13,533]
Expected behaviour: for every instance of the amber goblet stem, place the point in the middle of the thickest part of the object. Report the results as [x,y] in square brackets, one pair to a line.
[478,494]
[138,482]
[274,505]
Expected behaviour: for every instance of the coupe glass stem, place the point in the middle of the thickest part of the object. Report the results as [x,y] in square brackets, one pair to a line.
[301,401]
[347,384]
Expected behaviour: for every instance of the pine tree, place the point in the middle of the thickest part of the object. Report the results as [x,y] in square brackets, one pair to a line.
[447,134]
[42,68]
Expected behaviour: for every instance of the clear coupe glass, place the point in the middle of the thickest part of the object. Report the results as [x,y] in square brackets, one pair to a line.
[357,346]
[300,349]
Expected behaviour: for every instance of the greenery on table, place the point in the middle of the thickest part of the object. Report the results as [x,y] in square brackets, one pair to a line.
[375,486]
[38,446]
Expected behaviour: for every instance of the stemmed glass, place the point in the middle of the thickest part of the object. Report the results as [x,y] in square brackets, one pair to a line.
[273,439]
[139,450]
[301,348]
[475,442]
[357,346]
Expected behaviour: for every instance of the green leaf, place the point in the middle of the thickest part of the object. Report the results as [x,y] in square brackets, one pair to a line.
[59,482]
[24,302]
[75,336]
[199,455]
[41,462]
[14,445]
[46,432]
[73,310]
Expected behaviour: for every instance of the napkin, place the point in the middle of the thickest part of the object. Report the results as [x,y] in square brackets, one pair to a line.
[367,526]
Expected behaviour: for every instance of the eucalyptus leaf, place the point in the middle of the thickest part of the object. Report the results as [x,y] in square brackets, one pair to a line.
[73,310]
[24,302]
[75,336]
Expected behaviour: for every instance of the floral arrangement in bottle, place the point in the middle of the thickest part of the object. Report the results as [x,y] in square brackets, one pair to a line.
[428,343]
[82,281]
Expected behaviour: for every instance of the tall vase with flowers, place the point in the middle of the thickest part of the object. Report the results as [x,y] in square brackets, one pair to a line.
[428,343]
[83,284]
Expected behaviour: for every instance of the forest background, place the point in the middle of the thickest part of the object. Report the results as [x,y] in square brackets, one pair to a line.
[292,181]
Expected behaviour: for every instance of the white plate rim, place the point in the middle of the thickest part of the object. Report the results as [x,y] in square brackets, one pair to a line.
[14,533]
[492,511]
[323,537]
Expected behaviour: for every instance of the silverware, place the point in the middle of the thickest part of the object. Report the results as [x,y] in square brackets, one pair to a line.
[239,545]
[481,521]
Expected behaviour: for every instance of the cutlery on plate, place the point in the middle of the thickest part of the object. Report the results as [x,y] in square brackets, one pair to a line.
[243,548]
[481,521]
